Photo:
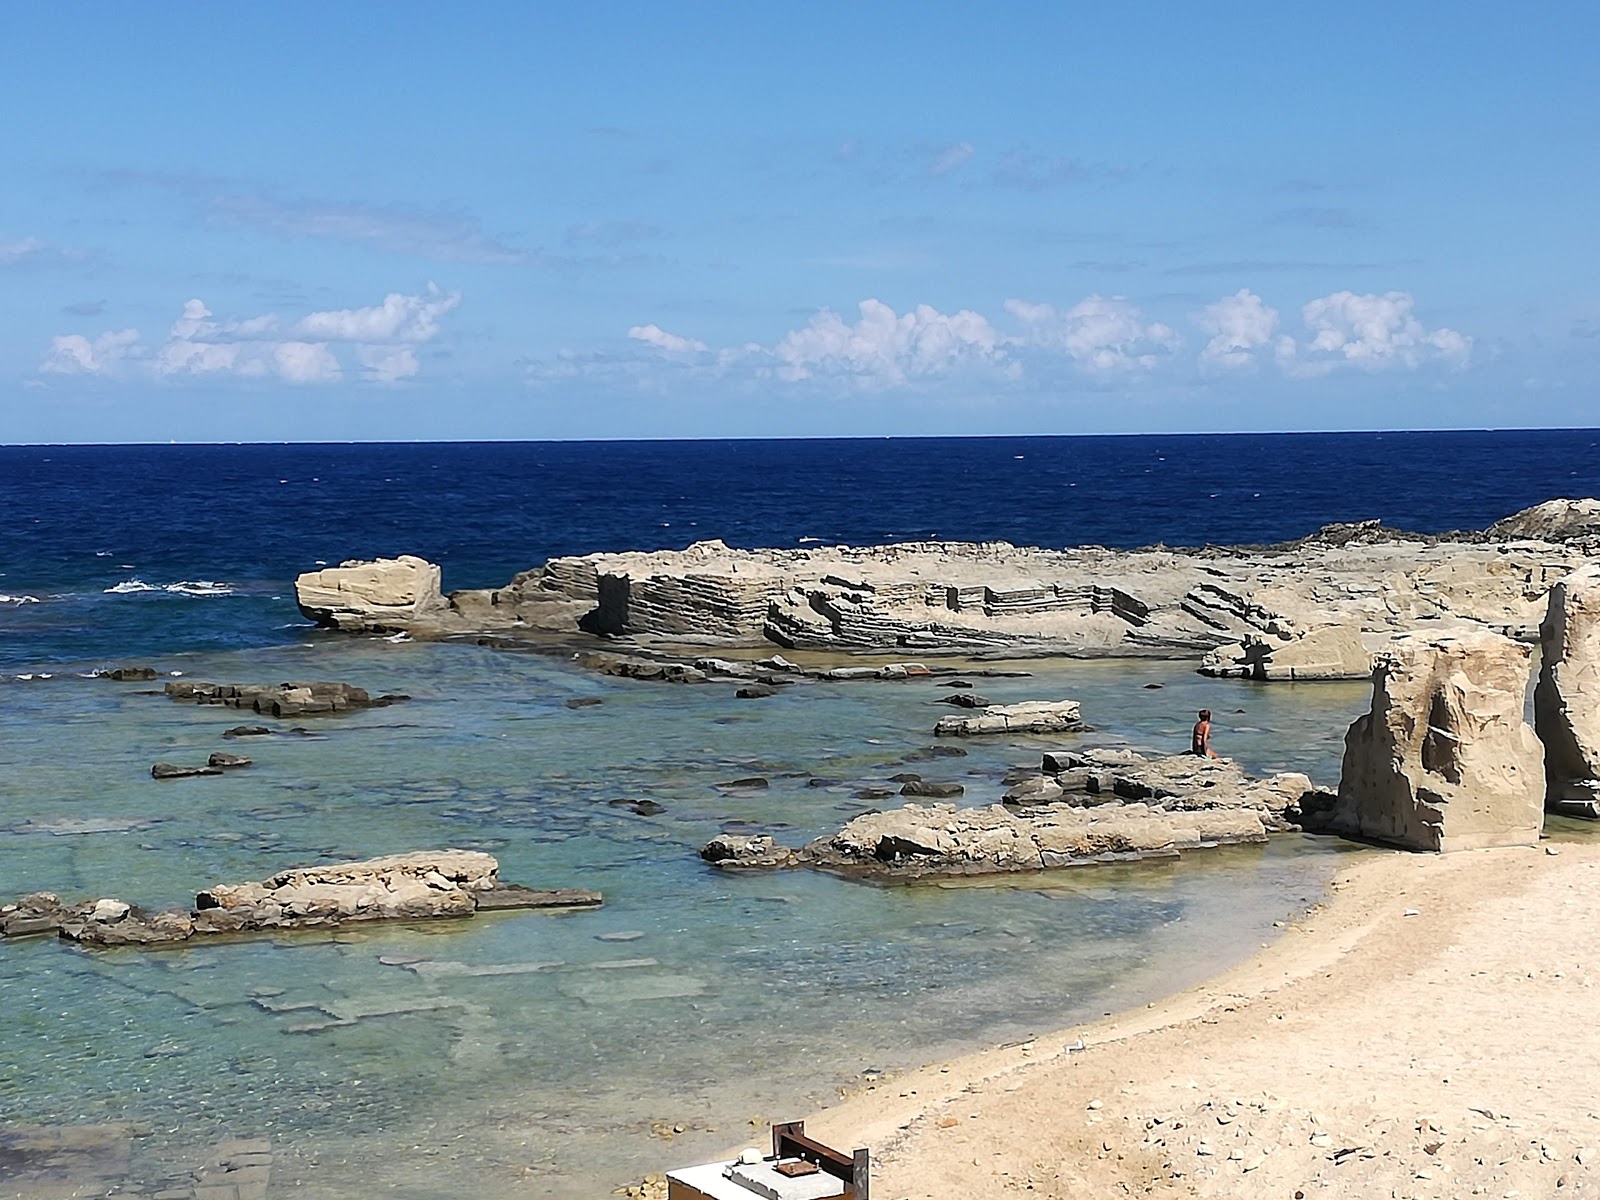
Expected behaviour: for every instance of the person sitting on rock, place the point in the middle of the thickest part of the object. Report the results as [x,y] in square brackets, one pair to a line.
[1200,739]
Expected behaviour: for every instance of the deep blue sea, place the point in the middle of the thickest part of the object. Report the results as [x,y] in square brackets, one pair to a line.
[135,550]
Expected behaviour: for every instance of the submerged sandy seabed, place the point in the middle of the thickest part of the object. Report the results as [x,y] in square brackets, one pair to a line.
[1425,1033]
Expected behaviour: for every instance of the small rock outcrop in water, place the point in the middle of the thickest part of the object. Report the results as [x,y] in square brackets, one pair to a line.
[1444,761]
[279,699]
[416,886]
[1094,806]
[387,594]
[1566,702]
[1033,716]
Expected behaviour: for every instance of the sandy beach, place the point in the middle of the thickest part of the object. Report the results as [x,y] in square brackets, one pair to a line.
[1423,1033]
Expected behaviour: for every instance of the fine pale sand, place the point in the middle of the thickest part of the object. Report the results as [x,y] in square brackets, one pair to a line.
[1367,1053]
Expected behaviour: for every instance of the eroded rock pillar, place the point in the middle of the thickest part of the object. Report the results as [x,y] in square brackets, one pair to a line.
[1445,760]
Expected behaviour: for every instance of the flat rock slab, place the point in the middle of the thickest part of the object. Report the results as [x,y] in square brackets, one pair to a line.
[631,989]
[429,968]
[68,1157]
[510,896]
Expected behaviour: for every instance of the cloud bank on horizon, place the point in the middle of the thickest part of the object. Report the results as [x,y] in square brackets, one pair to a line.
[756,228]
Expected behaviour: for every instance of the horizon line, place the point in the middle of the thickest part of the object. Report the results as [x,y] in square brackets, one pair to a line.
[885,437]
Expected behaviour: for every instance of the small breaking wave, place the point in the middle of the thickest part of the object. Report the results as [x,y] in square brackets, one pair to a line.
[19,601]
[183,587]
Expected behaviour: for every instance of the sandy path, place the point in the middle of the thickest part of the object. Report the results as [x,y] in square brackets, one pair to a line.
[1367,1053]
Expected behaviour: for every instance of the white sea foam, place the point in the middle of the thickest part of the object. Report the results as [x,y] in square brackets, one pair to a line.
[200,587]
[183,587]
[28,676]
[18,600]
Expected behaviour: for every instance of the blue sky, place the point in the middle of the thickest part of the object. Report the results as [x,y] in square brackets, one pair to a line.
[311,221]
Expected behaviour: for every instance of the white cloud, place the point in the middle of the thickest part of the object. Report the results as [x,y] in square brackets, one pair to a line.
[1370,332]
[388,364]
[1101,334]
[307,362]
[399,318]
[74,354]
[20,250]
[381,339]
[884,348]
[671,343]
[1239,325]
[951,158]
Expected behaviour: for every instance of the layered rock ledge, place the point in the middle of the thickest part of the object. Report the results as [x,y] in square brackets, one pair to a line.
[1314,608]
[421,885]
[1081,809]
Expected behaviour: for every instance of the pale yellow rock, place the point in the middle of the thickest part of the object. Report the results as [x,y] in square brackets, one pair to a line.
[1567,700]
[1445,760]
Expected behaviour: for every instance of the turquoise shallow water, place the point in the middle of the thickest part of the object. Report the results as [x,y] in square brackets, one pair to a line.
[534,1052]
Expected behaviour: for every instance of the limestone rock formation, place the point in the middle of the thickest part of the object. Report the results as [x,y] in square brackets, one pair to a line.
[423,884]
[1445,760]
[1552,521]
[1566,702]
[1084,807]
[1175,782]
[385,594]
[1033,716]
[1332,651]
[917,841]
[944,597]
[437,883]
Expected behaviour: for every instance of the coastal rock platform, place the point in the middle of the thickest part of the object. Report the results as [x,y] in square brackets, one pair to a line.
[1314,608]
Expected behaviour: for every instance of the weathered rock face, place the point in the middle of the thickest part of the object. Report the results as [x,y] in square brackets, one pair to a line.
[1552,521]
[1320,652]
[1444,761]
[1566,702]
[1034,716]
[385,594]
[946,597]
[420,885]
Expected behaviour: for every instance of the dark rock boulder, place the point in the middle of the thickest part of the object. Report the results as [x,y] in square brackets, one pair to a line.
[164,770]
[936,788]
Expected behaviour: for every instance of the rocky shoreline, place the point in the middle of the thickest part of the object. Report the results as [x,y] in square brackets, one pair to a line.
[1312,609]
[1442,624]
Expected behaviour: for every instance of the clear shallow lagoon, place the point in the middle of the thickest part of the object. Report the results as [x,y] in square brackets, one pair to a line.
[540,1052]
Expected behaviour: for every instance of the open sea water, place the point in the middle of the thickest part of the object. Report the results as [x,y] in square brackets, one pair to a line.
[527,1055]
